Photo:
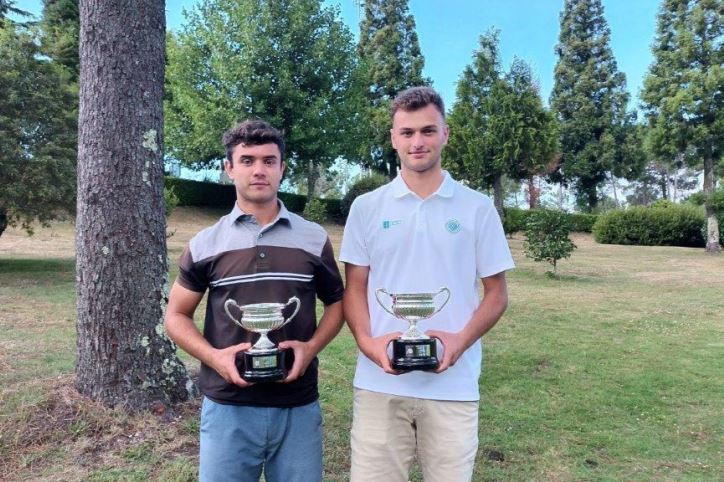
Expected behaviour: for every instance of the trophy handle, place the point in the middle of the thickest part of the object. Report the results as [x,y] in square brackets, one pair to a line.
[228,303]
[293,299]
[377,295]
[446,299]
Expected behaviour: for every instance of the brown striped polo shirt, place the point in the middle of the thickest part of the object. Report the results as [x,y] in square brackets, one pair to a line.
[236,258]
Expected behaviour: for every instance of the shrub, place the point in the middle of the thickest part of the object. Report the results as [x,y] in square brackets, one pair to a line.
[334,209]
[514,219]
[363,185]
[546,233]
[170,199]
[582,223]
[664,224]
[315,211]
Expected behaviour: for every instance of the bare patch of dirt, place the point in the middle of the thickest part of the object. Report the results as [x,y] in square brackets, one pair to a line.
[88,434]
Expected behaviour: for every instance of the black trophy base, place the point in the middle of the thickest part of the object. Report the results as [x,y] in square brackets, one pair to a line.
[414,354]
[269,366]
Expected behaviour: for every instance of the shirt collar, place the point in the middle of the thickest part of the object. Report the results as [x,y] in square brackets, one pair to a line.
[400,189]
[237,214]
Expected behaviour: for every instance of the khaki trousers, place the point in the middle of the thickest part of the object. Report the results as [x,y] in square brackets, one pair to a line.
[389,430]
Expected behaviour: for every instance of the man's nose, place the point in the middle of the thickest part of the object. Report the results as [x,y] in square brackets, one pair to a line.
[258,169]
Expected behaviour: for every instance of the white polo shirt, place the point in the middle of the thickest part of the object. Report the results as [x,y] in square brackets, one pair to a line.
[451,239]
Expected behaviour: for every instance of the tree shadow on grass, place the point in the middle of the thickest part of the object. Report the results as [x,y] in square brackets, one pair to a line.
[42,265]
[537,275]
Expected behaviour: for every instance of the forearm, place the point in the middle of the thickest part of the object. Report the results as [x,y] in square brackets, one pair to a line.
[357,313]
[484,317]
[328,327]
[182,330]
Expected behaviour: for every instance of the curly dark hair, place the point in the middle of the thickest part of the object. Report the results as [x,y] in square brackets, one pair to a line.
[416,98]
[253,132]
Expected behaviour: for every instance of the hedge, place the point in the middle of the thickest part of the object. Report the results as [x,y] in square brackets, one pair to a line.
[663,225]
[199,193]
[516,219]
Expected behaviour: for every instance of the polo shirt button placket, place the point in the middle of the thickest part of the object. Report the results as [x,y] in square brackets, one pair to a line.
[421,221]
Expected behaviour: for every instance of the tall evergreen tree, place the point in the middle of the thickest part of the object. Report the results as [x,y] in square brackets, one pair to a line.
[682,92]
[290,62]
[60,26]
[391,62]
[37,133]
[123,355]
[498,125]
[7,8]
[589,99]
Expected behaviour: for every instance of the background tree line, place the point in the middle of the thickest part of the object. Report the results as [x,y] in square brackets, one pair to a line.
[295,64]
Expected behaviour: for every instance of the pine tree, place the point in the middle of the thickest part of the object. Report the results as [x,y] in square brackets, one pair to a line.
[682,92]
[7,7]
[589,98]
[498,125]
[391,62]
[60,29]
[290,62]
[37,133]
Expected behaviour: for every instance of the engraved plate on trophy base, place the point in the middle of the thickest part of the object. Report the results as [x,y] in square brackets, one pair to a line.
[414,354]
[263,367]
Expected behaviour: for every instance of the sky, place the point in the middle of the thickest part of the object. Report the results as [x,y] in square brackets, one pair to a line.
[449,30]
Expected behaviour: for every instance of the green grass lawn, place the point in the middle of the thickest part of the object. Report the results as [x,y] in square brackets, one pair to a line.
[612,372]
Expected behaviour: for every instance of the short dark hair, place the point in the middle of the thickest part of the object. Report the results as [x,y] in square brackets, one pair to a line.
[416,98]
[253,132]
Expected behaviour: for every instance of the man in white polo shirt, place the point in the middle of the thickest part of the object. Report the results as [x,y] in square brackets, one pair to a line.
[421,232]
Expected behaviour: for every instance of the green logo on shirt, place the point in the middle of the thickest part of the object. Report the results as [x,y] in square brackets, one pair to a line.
[388,224]
[453,226]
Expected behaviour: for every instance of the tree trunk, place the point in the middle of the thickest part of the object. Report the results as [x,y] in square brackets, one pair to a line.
[712,224]
[123,355]
[664,184]
[498,195]
[675,195]
[3,221]
[533,193]
[312,175]
[392,164]
[615,191]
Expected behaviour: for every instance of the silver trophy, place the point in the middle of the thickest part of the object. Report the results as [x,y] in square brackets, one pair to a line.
[263,362]
[414,350]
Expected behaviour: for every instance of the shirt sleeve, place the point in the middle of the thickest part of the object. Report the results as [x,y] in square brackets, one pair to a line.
[191,275]
[491,247]
[328,281]
[354,247]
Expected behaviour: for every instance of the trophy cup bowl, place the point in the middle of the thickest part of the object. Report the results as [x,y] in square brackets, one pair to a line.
[414,350]
[263,362]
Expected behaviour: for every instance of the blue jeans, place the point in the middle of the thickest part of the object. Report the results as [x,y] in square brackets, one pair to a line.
[237,441]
